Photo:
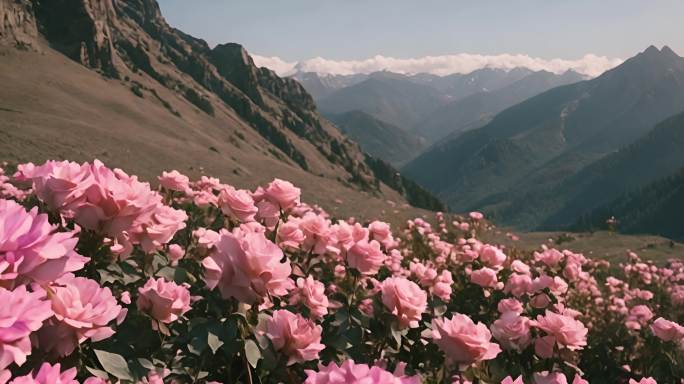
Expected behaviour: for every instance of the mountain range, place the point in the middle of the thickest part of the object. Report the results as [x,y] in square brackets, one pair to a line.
[544,162]
[424,106]
[110,79]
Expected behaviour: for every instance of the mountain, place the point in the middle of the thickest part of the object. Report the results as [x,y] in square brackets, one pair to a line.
[513,163]
[322,85]
[655,156]
[378,138]
[459,86]
[478,109]
[655,209]
[111,79]
[387,96]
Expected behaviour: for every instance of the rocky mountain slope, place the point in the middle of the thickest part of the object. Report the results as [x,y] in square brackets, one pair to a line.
[478,109]
[378,138]
[508,166]
[111,79]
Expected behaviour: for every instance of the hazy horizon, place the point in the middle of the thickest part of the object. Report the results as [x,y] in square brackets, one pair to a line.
[439,37]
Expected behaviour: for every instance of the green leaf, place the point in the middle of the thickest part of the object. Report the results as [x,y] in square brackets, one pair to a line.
[214,342]
[114,364]
[252,353]
[98,373]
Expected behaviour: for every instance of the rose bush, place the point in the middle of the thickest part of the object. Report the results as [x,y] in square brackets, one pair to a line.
[105,279]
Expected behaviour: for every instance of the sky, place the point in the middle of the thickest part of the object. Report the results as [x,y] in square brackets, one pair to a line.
[440,36]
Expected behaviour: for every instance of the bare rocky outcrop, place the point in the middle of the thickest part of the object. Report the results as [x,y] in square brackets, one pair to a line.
[126,39]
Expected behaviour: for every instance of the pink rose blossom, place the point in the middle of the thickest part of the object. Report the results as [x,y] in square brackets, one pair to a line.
[293,335]
[510,305]
[366,257]
[49,374]
[21,313]
[163,301]
[462,340]
[551,257]
[476,215]
[567,331]
[289,234]
[159,229]
[174,181]
[283,194]
[405,299]
[351,373]
[645,380]
[237,204]
[667,330]
[509,380]
[484,277]
[82,310]
[311,293]
[492,256]
[58,184]
[31,249]
[512,331]
[518,284]
[175,253]
[247,266]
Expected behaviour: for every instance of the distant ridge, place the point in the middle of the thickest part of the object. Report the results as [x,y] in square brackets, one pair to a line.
[511,167]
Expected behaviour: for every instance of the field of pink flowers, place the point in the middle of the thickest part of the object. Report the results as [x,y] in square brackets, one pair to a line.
[104,279]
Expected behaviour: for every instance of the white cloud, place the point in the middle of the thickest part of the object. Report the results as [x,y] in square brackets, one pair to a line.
[590,64]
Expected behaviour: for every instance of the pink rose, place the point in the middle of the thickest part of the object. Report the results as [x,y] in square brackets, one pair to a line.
[247,266]
[644,380]
[316,230]
[366,257]
[175,253]
[550,378]
[311,293]
[58,184]
[510,305]
[163,301]
[567,331]
[462,340]
[550,257]
[21,313]
[544,346]
[405,299]
[31,249]
[159,228]
[82,310]
[283,194]
[289,234]
[667,330]
[174,181]
[293,335]
[351,373]
[492,256]
[476,215]
[49,374]
[484,277]
[237,204]
[509,380]
[518,284]
[512,331]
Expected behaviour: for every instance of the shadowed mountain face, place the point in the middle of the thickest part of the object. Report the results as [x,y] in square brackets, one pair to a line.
[656,208]
[389,97]
[478,109]
[656,155]
[511,166]
[149,97]
[377,138]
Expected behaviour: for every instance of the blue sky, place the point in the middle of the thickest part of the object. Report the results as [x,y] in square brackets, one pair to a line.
[295,30]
